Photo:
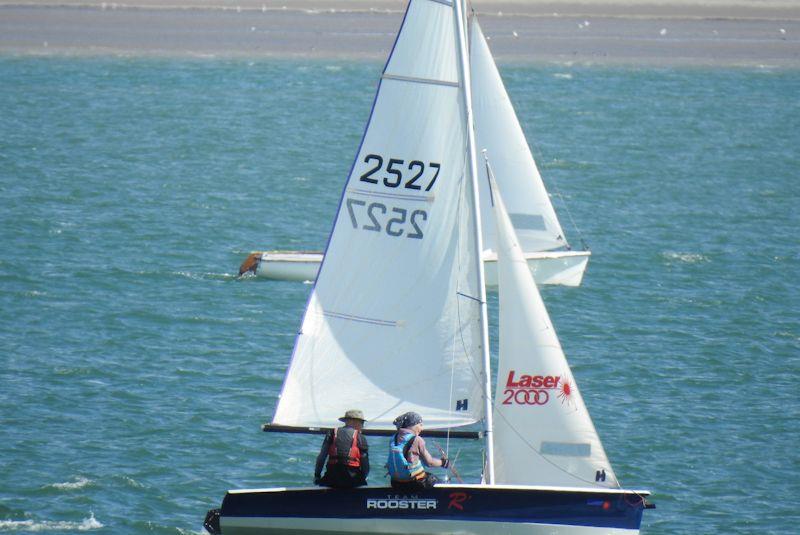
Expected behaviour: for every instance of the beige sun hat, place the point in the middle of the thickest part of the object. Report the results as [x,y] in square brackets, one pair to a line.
[354,415]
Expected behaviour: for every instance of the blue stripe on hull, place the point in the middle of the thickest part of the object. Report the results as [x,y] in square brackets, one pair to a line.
[569,508]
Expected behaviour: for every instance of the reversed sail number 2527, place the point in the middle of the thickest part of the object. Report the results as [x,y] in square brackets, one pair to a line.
[400,221]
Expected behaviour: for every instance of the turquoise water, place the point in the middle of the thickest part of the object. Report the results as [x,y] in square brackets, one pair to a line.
[135,369]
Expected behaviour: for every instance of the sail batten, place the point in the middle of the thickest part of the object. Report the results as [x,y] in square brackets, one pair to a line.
[367,193]
[414,80]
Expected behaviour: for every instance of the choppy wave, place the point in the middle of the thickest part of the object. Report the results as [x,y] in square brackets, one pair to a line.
[79,483]
[133,483]
[205,276]
[87,524]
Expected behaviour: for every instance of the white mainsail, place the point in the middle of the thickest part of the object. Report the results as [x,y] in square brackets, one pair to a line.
[543,433]
[393,322]
[499,133]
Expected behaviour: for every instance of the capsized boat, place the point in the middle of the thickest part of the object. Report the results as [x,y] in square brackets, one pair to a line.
[398,314]
[551,258]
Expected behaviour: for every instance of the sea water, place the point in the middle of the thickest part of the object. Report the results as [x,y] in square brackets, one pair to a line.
[136,369]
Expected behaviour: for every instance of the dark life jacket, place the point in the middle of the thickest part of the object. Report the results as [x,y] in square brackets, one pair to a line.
[343,449]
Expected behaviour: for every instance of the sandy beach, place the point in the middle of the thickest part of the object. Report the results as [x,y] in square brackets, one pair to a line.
[636,32]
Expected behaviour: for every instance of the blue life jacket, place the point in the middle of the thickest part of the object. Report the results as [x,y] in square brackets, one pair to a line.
[399,467]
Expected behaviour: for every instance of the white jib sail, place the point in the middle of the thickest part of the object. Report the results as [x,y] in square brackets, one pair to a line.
[543,434]
[393,323]
[499,133]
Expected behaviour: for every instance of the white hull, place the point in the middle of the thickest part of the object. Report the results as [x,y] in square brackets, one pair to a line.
[558,267]
[315,526]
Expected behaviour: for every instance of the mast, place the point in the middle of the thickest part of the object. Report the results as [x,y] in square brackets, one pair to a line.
[463,56]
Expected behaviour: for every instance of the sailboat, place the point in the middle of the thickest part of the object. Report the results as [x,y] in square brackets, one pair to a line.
[550,257]
[398,315]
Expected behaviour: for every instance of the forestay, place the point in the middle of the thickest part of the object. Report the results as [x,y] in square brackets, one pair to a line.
[543,434]
[499,133]
[392,323]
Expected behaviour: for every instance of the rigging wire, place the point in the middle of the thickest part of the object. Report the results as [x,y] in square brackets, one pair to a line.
[539,156]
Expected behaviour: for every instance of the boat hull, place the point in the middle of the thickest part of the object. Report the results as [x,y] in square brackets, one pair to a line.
[560,267]
[445,509]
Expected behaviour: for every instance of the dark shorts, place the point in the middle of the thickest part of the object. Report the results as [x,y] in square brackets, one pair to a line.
[418,484]
[342,478]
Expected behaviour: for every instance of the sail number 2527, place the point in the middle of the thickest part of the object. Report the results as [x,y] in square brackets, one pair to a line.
[397,173]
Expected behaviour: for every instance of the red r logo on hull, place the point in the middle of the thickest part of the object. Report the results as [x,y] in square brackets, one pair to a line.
[456,499]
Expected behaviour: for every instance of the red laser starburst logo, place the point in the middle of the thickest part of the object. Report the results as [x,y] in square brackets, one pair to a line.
[565,390]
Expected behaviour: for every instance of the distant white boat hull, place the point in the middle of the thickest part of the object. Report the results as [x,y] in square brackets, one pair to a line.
[445,509]
[556,267]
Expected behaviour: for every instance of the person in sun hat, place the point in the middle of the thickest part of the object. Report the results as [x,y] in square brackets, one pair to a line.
[408,455]
[347,452]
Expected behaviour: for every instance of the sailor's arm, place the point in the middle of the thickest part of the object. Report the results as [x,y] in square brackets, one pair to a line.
[323,454]
[364,447]
[424,455]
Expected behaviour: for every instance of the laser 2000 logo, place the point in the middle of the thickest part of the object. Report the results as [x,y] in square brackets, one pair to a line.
[535,389]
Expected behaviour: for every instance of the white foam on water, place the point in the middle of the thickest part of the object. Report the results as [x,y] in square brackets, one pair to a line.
[133,483]
[563,75]
[689,258]
[91,382]
[79,483]
[87,524]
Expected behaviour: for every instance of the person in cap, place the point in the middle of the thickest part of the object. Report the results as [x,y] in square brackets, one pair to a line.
[347,452]
[408,455]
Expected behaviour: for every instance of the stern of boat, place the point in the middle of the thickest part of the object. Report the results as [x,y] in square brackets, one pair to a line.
[211,523]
